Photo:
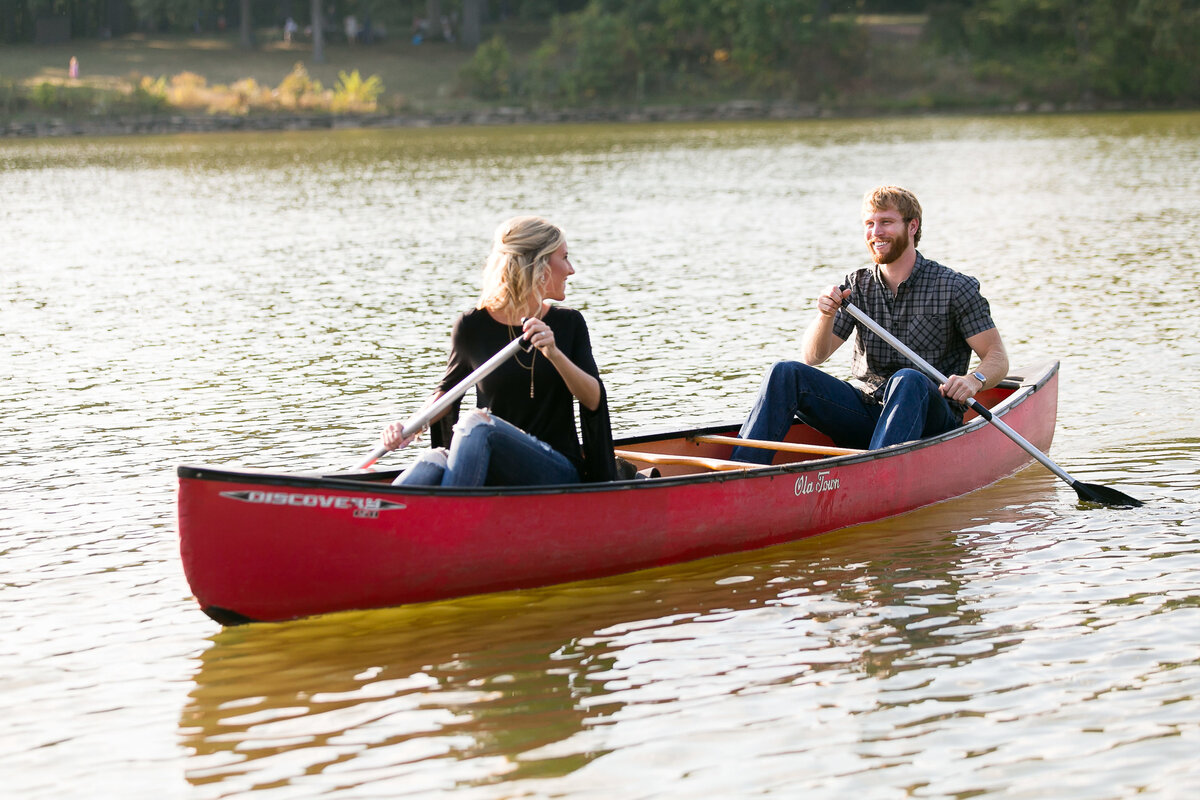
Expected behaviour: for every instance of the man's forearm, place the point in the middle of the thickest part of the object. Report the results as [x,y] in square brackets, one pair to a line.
[819,341]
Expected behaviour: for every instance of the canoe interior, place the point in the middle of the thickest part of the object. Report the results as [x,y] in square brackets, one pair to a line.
[684,445]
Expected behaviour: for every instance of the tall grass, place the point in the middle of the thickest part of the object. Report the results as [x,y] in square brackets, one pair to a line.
[188,91]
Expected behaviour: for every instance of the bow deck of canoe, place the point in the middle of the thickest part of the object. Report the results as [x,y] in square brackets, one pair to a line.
[262,546]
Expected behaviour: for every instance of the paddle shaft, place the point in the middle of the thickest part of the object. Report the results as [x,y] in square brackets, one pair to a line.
[435,409]
[974,404]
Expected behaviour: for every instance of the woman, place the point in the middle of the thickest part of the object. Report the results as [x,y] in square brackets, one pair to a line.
[523,433]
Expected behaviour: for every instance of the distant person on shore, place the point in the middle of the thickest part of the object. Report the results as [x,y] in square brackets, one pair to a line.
[73,68]
[524,431]
[937,312]
[420,30]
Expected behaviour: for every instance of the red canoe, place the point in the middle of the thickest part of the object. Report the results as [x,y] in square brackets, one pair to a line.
[261,546]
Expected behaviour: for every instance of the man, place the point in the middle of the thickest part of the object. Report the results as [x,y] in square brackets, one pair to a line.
[934,310]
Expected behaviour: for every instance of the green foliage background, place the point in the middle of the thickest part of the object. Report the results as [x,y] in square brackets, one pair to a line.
[1145,51]
[832,53]
[674,49]
[1116,49]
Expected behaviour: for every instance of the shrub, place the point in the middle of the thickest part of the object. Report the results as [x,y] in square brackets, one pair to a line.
[67,99]
[45,96]
[589,55]
[299,90]
[147,96]
[188,90]
[11,98]
[352,93]
[489,73]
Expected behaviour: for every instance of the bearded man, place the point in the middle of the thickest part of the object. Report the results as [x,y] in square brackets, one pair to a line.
[937,312]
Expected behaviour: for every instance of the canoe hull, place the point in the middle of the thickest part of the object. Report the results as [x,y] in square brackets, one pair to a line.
[260,546]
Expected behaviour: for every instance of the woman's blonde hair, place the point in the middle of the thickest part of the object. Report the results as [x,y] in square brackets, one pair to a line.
[518,265]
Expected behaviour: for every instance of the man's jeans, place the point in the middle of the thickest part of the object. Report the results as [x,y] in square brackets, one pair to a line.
[486,450]
[913,408]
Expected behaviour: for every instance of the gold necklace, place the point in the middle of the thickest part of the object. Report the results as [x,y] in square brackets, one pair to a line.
[532,358]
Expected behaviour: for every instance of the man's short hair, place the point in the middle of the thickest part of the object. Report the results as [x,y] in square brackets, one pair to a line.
[884,198]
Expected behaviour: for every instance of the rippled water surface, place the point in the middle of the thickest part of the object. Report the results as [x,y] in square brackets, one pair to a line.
[271,300]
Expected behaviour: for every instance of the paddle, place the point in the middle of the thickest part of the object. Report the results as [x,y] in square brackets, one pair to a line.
[434,410]
[1088,492]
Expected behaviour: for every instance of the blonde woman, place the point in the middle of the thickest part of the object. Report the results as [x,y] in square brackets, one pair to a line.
[523,432]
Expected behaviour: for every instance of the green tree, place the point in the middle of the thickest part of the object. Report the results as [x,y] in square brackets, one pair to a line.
[588,55]
[1168,32]
[171,13]
[1080,49]
[616,48]
[489,74]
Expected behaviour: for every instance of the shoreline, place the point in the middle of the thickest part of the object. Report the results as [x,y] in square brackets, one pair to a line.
[739,110]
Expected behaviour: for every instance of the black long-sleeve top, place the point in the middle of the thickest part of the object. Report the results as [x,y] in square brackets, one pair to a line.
[550,413]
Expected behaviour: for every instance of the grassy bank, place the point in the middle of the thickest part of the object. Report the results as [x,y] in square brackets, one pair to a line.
[417,77]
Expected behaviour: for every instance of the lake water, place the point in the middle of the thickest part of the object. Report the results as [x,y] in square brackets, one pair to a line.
[271,300]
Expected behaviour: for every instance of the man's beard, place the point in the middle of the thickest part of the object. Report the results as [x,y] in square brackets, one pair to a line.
[896,248]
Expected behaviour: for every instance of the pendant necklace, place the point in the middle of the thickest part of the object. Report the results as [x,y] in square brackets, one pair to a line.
[532,360]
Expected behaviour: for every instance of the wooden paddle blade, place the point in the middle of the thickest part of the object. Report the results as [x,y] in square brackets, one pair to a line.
[1092,493]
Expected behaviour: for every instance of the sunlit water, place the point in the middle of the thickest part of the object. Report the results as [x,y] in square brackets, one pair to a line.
[271,300]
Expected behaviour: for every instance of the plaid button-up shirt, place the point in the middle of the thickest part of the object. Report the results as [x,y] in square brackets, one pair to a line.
[934,312]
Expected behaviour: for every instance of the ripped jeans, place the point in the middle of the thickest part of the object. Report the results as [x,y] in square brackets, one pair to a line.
[487,451]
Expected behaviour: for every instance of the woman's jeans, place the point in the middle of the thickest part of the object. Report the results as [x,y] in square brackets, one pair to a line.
[486,450]
[913,408]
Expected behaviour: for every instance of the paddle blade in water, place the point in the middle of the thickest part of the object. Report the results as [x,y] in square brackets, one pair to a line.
[1091,493]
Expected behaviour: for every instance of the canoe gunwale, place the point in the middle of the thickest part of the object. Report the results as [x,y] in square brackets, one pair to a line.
[380,481]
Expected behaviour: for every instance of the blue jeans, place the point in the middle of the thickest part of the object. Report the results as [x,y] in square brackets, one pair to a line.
[913,408]
[486,450]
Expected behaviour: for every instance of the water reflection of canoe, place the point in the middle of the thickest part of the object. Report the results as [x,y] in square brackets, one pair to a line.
[260,546]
